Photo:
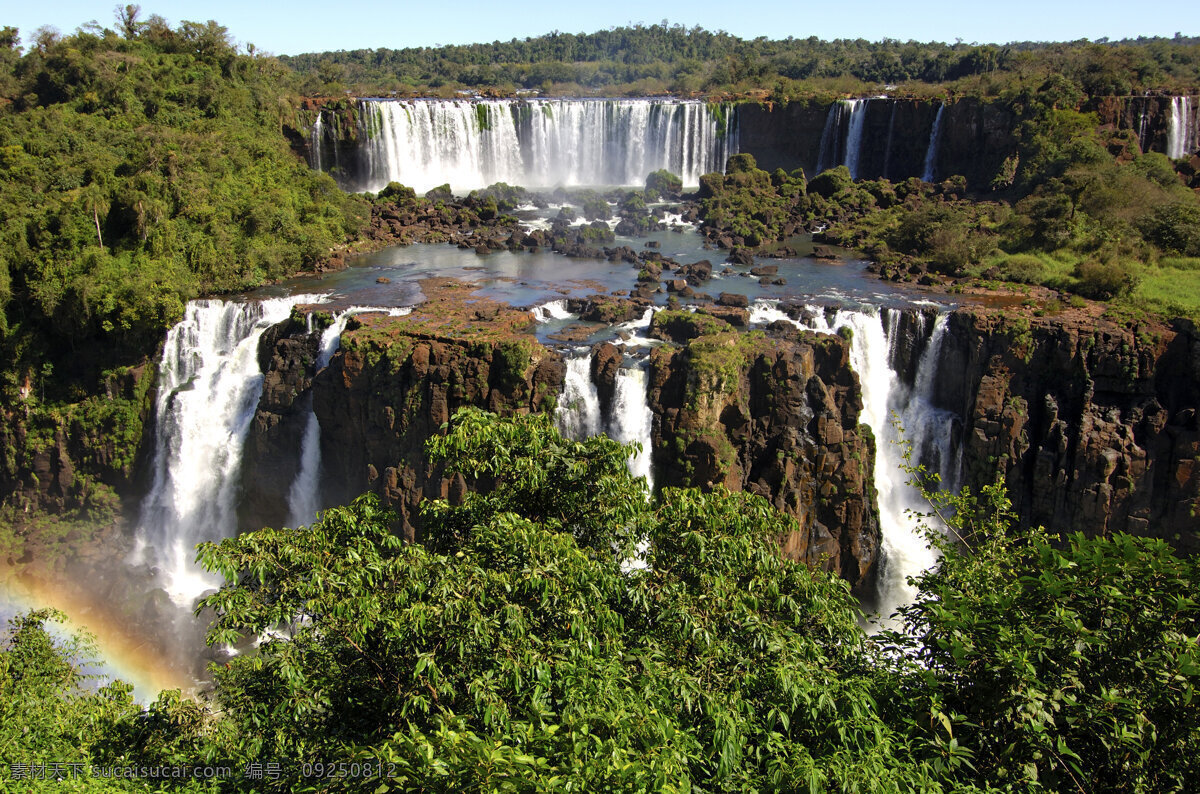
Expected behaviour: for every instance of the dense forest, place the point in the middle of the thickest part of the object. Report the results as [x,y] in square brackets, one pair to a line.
[137,170]
[515,650]
[656,59]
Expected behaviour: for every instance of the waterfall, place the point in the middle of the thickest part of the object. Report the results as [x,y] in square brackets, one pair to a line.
[209,384]
[314,141]
[904,552]
[537,143]
[553,310]
[833,152]
[1181,129]
[854,134]
[578,413]
[887,152]
[1143,129]
[632,420]
[935,140]
[578,410]
[830,134]
[303,497]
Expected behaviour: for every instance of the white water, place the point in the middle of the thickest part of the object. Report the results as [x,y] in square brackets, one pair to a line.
[935,140]
[834,151]
[854,134]
[904,550]
[578,410]
[1181,128]
[537,143]
[1143,129]
[578,413]
[208,389]
[554,310]
[314,140]
[305,494]
[632,420]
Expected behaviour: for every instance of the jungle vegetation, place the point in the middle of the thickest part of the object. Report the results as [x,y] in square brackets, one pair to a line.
[641,60]
[518,649]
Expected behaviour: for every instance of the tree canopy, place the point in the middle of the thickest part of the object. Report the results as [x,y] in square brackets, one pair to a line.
[518,649]
[641,59]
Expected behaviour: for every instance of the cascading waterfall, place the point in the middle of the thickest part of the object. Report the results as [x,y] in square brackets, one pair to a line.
[904,551]
[578,413]
[852,113]
[537,143]
[1181,128]
[303,498]
[632,420]
[854,134]
[578,410]
[305,494]
[208,388]
[887,152]
[314,141]
[554,310]
[1143,130]
[935,141]
[830,137]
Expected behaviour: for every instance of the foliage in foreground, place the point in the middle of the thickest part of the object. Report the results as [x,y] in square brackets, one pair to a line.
[519,650]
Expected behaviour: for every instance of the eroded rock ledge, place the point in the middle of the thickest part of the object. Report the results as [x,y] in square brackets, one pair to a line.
[1092,425]
[775,413]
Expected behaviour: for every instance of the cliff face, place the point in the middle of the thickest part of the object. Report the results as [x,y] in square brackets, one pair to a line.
[1148,117]
[287,355]
[975,137]
[1093,426]
[775,414]
[79,459]
[390,387]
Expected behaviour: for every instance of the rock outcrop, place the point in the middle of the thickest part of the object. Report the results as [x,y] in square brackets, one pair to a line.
[775,414]
[396,380]
[1092,425]
[287,354]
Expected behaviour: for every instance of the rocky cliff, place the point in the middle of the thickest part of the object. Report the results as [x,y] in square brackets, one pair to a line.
[1093,425]
[975,138]
[774,413]
[390,387]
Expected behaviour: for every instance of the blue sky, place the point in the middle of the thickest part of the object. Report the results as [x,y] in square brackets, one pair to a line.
[305,25]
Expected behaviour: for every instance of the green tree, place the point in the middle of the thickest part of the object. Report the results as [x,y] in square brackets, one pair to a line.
[1060,664]
[518,649]
[49,712]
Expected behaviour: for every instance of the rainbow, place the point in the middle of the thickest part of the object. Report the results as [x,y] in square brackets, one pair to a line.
[129,651]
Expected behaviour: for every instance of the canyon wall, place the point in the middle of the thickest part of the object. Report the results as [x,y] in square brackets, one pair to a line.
[1092,425]
[777,414]
[897,136]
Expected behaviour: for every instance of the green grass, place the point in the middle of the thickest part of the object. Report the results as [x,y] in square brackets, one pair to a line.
[1170,291]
